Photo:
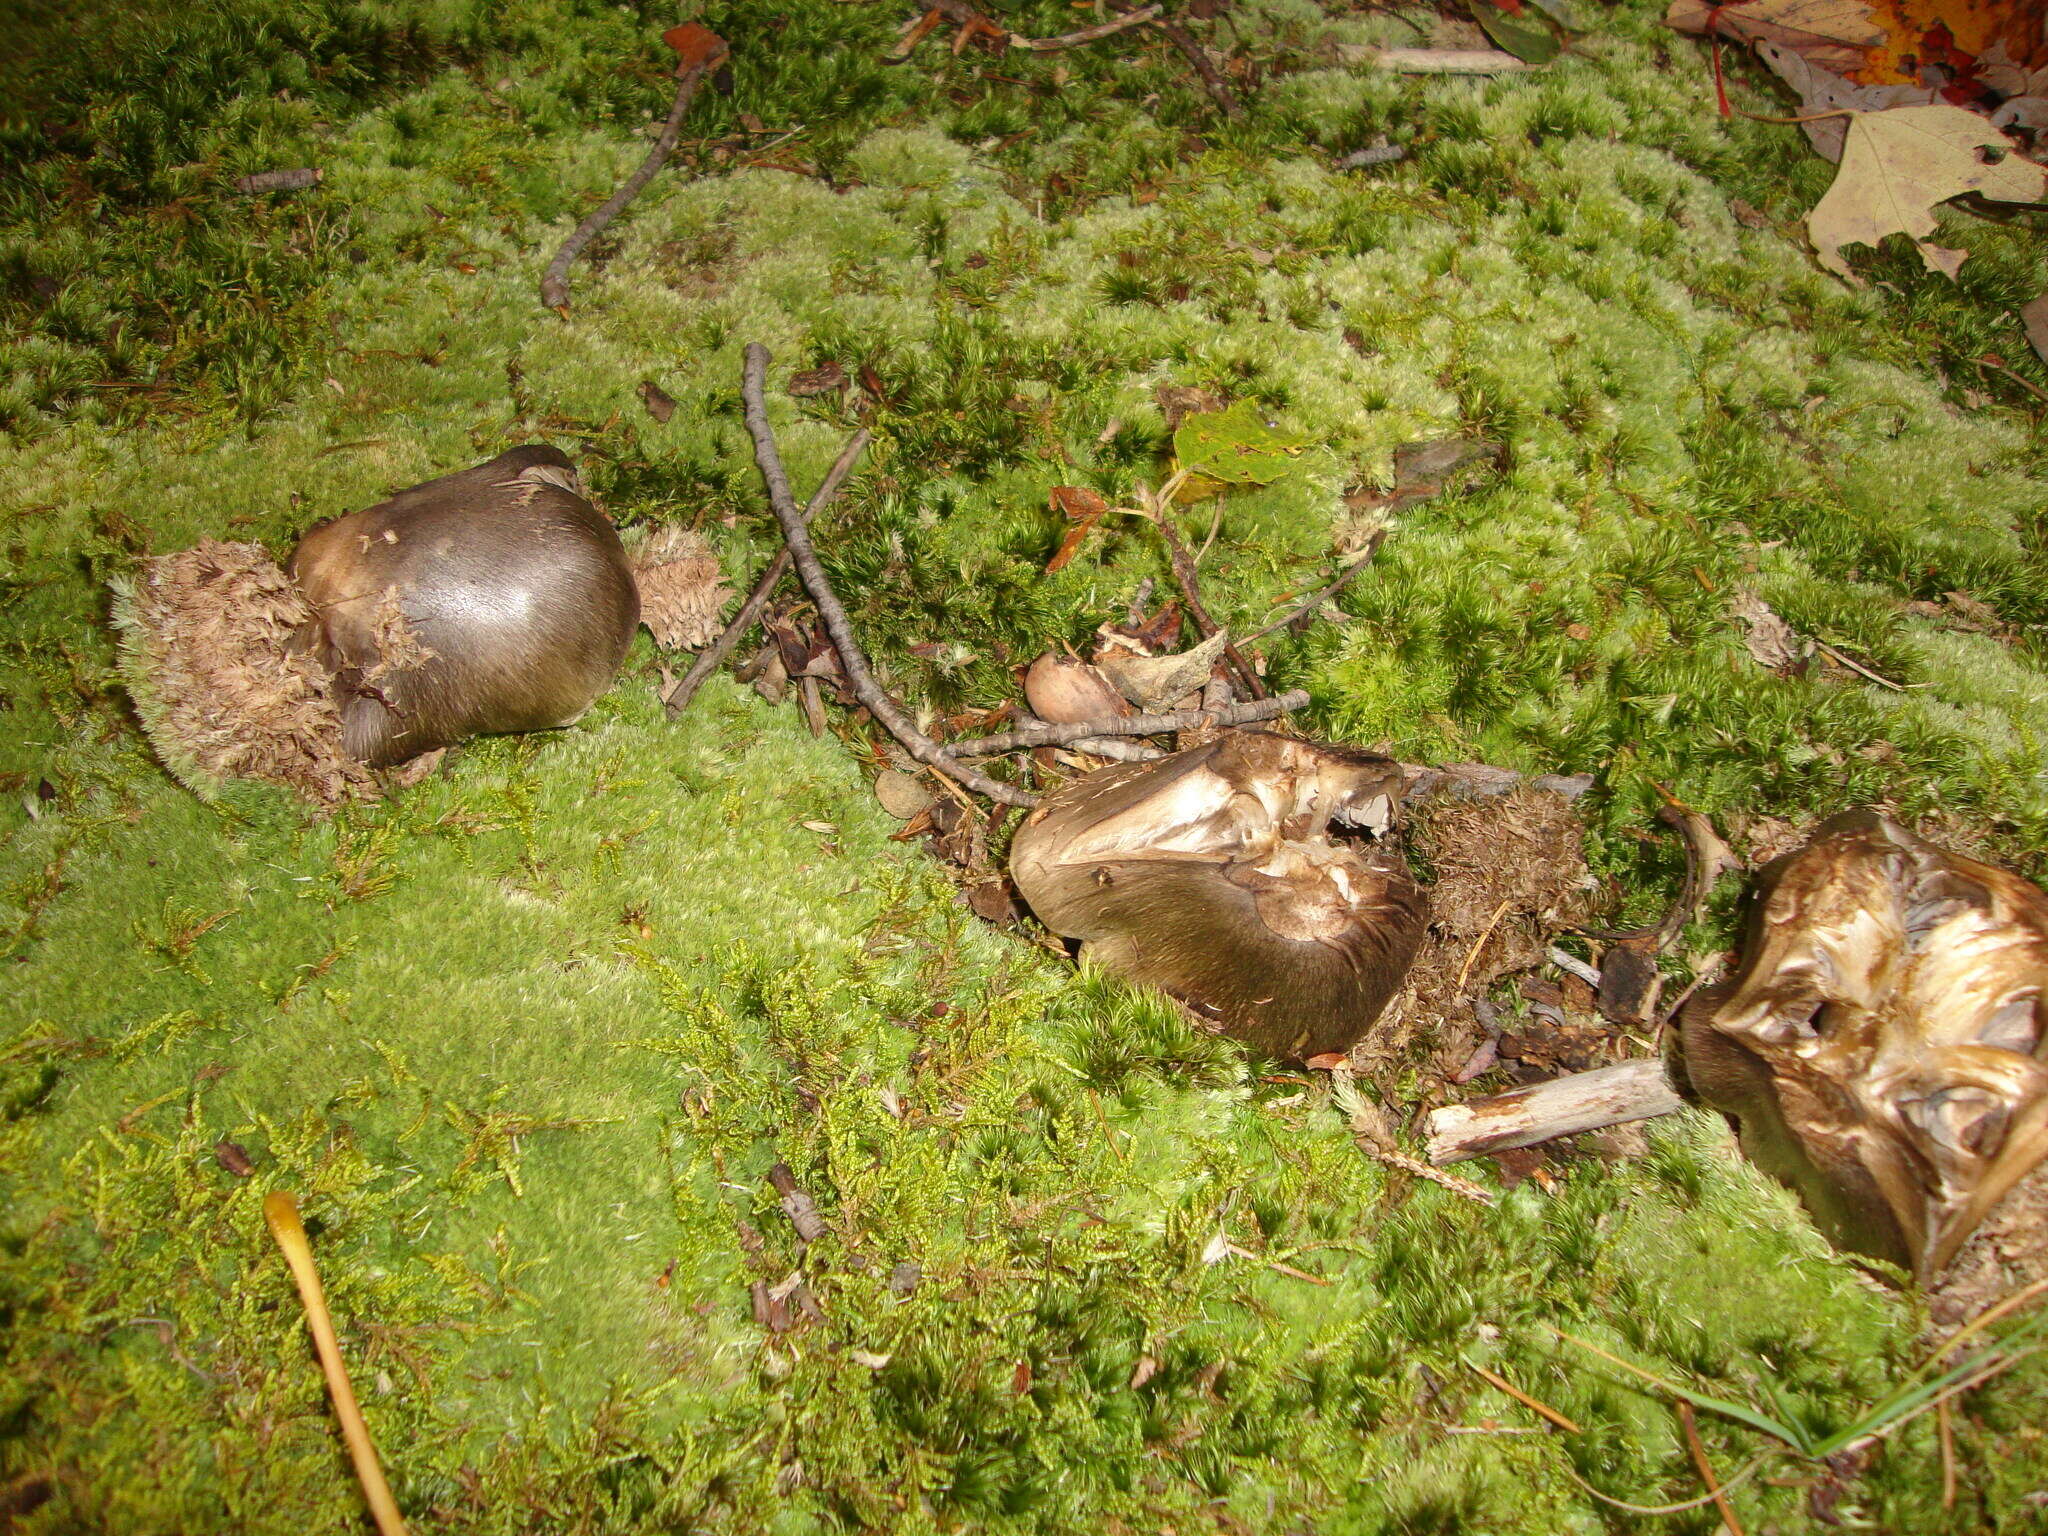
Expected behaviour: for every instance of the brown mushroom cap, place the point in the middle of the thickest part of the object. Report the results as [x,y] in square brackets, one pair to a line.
[1881,1047]
[495,599]
[1214,875]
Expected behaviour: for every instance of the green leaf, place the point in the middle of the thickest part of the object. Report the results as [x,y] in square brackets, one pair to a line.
[1528,41]
[1235,445]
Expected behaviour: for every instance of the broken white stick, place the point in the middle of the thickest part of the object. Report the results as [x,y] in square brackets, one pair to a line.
[1584,1101]
[1434,61]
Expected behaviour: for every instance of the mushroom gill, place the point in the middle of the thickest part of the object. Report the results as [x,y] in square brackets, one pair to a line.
[1220,875]
[1881,1046]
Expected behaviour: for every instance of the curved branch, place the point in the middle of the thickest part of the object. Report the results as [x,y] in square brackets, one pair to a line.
[554,283]
[833,612]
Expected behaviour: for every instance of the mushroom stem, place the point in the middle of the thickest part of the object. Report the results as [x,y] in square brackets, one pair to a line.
[281,1211]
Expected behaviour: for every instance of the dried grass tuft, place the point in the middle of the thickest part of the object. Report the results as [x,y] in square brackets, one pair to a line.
[682,591]
[208,653]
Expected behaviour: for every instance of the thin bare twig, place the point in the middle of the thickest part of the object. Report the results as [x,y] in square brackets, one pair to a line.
[1314,604]
[1694,1444]
[713,655]
[1191,588]
[1544,1410]
[1109,28]
[1198,56]
[851,659]
[554,283]
[1049,735]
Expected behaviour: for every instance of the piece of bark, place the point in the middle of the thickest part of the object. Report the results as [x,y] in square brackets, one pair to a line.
[279,181]
[1440,61]
[797,1205]
[1630,981]
[1564,1106]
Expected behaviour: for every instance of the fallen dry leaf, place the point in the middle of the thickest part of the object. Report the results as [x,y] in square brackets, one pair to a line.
[2035,318]
[1774,643]
[697,47]
[1836,34]
[1157,681]
[1821,90]
[1898,165]
[1084,509]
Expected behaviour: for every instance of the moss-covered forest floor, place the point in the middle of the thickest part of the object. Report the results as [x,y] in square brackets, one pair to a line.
[527,1038]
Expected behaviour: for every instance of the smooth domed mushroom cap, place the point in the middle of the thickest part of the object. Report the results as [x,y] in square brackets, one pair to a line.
[1881,1046]
[1214,875]
[495,599]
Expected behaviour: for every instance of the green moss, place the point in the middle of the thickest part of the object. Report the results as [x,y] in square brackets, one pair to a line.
[527,1038]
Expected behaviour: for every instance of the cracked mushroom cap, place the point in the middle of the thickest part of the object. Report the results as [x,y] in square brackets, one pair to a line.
[491,600]
[1881,1047]
[1216,875]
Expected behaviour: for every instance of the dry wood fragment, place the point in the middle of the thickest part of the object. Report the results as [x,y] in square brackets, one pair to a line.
[1583,1101]
[714,654]
[279,181]
[281,1213]
[1441,61]
[833,613]
[797,1204]
[554,283]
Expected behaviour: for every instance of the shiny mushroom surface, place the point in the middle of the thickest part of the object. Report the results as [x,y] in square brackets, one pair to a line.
[1881,1046]
[492,600]
[1237,876]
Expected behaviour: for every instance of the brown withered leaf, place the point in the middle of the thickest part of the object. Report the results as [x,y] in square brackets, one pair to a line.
[1179,401]
[817,381]
[1836,34]
[660,404]
[1084,509]
[1772,642]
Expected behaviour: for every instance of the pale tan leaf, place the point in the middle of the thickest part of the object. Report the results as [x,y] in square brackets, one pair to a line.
[2035,318]
[1898,165]
[1821,90]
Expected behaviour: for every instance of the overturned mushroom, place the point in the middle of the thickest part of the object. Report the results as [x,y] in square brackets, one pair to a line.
[1221,875]
[495,599]
[1881,1047]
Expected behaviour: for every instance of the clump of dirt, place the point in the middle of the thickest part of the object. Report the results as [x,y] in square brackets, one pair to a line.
[681,590]
[1509,872]
[224,692]
[2009,1250]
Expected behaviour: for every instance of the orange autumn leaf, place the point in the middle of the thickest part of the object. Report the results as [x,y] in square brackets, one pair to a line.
[697,47]
[1084,509]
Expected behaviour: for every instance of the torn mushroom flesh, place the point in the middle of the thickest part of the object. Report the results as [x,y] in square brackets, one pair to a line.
[1881,1046]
